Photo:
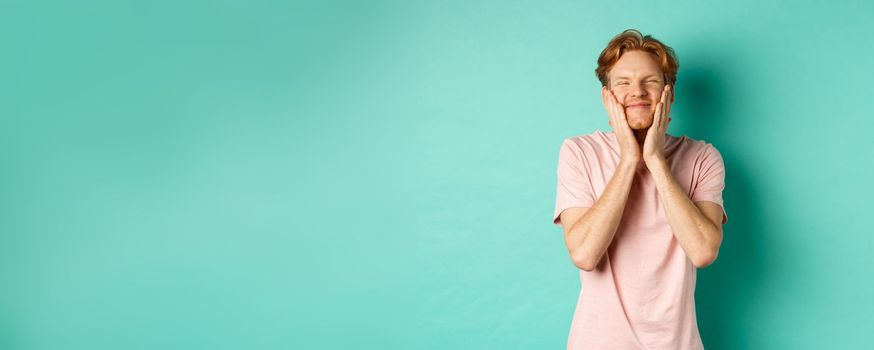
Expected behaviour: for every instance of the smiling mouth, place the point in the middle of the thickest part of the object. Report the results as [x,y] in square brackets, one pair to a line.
[638,106]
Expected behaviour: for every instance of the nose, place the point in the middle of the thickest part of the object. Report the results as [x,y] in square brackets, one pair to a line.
[637,90]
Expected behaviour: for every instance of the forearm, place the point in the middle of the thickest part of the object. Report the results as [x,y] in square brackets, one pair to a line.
[697,235]
[591,235]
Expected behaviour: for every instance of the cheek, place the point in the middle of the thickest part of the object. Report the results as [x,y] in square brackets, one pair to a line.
[619,93]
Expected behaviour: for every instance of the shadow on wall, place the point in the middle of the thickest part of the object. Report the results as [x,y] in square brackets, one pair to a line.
[726,290]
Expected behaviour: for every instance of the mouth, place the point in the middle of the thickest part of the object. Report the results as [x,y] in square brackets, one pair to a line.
[639,105]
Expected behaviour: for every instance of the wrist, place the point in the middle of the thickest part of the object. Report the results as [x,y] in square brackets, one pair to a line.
[629,161]
[657,165]
[655,159]
[630,166]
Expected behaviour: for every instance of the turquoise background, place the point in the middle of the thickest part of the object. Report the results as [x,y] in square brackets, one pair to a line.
[381,175]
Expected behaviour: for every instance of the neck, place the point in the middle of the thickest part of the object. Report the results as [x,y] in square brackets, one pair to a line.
[640,135]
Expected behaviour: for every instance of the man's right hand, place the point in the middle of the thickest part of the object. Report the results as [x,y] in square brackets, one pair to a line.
[629,148]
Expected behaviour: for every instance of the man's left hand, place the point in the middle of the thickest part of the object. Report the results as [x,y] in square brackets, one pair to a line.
[654,144]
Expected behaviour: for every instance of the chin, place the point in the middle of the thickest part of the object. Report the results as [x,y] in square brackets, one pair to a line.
[640,119]
[640,124]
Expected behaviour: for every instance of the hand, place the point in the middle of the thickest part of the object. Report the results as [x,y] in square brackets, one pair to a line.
[629,149]
[654,144]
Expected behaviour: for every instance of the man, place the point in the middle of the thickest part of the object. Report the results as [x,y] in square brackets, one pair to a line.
[641,209]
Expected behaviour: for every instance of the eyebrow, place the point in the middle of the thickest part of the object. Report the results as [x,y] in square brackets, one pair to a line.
[646,76]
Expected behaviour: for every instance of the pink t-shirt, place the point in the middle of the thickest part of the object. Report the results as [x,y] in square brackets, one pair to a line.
[642,294]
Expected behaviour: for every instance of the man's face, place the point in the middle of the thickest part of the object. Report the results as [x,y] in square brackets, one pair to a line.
[637,81]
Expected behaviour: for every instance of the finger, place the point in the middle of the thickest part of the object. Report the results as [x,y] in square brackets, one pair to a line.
[608,106]
[620,112]
[664,101]
[664,119]
[613,117]
[603,95]
[614,111]
[611,104]
[669,100]
[660,109]
[661,114]
[616,105]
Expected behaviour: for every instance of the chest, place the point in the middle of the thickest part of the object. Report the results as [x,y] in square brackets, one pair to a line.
[644,209]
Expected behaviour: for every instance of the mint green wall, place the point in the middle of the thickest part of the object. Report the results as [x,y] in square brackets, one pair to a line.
[327,175]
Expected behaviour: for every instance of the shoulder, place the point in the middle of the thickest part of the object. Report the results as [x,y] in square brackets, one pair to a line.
[591,143]
[695,150]
[695,145]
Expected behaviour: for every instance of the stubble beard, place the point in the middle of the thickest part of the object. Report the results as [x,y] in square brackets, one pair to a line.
[638,121]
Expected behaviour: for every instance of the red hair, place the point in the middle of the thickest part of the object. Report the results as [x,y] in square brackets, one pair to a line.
[630,40]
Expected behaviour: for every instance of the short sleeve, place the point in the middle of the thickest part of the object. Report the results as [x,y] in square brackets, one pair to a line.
[710,179]
[574,185]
